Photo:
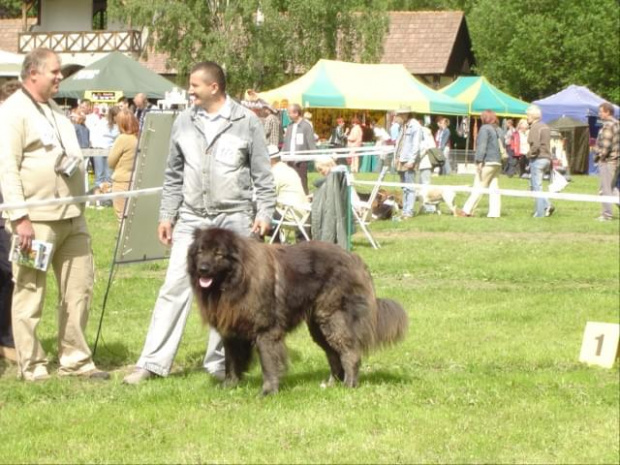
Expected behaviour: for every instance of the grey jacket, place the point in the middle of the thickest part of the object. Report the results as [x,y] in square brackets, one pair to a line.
[308,137]
[329,210]
[487,144]
[220,177]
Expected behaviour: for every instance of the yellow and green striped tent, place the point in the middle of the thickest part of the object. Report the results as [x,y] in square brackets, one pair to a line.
[479,95]
[338,84]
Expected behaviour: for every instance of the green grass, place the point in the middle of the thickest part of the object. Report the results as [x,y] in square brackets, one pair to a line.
[489,371]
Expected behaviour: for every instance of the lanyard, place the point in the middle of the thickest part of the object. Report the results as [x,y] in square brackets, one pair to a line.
[53,124]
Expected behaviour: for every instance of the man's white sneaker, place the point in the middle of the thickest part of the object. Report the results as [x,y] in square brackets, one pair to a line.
[137,376]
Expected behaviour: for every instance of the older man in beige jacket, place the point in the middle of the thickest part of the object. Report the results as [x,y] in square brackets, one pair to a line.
[38,145]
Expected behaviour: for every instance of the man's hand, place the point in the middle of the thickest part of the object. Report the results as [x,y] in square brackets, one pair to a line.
[261,227]
[479,168]
[164,232]
[23,229]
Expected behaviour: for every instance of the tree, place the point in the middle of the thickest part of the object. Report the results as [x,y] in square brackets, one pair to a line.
[291,37]
[13,8]
[534,48]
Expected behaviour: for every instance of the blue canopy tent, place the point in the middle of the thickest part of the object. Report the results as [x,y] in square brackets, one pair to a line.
[575,102]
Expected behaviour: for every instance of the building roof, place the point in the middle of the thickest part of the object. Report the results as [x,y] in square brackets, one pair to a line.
[9,29]
[424,41]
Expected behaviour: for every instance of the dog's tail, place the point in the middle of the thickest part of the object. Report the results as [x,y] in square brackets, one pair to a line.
[392,322]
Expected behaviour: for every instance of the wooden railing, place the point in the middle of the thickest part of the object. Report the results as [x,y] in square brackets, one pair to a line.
[82,42]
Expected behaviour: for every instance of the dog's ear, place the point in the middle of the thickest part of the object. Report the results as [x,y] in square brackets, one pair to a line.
[197,233]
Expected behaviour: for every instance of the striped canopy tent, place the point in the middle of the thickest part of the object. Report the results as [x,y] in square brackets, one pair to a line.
[10,64]
[479,95]
[338,84]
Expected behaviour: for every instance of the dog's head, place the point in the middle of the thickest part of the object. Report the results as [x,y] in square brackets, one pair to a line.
[213,257]
[105,187]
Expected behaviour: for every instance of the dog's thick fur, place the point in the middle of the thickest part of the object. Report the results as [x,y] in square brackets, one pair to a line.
[254,294]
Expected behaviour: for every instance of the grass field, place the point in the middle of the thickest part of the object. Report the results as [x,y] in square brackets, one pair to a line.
[489,372]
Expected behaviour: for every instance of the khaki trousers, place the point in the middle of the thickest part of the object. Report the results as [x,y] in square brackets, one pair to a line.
[119,202]
[486,178]
[72,262]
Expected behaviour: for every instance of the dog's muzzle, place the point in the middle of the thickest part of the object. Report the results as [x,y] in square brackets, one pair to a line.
[204,280]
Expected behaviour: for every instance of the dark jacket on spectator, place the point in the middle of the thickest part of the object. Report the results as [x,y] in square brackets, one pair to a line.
[539,139]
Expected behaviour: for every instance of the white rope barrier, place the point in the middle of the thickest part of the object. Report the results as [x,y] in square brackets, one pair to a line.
[87,153]
[341,152]
[505,192]
[80,199]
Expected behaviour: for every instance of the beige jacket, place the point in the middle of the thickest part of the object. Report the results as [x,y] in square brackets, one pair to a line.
[121,156]
[29,148]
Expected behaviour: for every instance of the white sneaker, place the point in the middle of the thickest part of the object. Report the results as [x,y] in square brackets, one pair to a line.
[40,373]
[137,376]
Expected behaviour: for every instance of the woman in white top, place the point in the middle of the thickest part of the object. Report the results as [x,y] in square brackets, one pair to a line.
[102,136]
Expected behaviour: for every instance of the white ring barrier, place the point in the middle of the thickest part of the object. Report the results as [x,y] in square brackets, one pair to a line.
[80,199]
[504,192]
[342,152]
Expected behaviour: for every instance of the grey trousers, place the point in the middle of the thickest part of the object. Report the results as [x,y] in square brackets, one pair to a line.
[175,297]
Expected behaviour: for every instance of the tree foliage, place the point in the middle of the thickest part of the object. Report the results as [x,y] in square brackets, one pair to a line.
[530,48]
[534,48]
[292,37]
[13,8]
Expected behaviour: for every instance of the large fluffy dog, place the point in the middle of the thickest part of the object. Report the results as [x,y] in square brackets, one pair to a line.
[254,293]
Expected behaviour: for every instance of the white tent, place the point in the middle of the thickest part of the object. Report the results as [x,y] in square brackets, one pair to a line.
[10,64]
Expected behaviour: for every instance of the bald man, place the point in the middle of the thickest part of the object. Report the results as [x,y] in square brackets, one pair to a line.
[142,107]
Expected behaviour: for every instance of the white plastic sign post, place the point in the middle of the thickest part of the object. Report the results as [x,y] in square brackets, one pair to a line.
[600,344]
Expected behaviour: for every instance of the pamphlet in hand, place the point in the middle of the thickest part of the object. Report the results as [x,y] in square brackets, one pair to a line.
[37,257]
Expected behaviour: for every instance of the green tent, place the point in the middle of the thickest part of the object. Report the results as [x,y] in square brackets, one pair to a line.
[479,95]
[115,72]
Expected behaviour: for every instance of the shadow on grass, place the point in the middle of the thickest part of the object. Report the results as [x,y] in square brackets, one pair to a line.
[4,364]
[109,355]
[298,377]
[113,355]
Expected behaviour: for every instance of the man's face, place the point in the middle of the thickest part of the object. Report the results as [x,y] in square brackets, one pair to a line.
[85,108]
[602,114]
[293,113]
[47,79]
[139,101]
[203,92]
[123,105]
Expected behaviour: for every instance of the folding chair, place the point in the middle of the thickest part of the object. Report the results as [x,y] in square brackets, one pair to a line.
[293,217]
[362,210]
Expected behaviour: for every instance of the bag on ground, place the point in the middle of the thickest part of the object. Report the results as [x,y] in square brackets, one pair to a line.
[558,182]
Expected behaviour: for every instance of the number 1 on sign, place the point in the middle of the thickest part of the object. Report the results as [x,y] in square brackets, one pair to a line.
[600,344]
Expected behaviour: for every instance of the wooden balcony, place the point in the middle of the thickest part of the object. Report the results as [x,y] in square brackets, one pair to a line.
[82,42]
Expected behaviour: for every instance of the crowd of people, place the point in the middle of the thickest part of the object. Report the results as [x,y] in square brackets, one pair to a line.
[238,189]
